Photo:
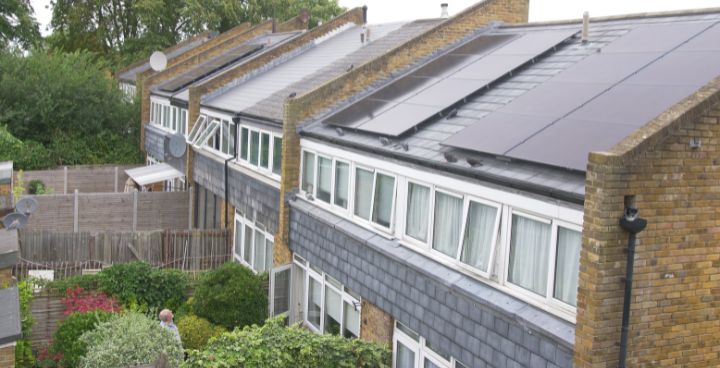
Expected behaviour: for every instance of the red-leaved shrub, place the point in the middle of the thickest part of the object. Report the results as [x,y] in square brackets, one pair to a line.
[76,302]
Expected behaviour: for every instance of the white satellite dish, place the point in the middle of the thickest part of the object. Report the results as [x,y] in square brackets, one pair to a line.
[26,206]
[158,61]
[177,145]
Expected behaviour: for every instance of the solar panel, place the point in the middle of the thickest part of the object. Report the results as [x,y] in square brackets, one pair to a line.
[682,68]
[605,68]
[553,99]
[205,69]
[707,41]
[655,37]
[426,92]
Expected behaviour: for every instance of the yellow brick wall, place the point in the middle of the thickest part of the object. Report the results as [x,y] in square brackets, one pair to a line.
[675,318]
[7,357]
[375,325]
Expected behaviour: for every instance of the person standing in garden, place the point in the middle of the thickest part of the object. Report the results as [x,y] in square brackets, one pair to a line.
[166,321]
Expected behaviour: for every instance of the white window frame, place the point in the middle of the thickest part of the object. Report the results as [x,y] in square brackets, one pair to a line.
[198,127]
[210,129]
[268,171]
[273,273]
[312,272]
[239,218]
[420,348]
[221,129]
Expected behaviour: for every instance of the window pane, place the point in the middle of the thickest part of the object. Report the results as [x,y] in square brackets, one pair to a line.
[405,358]
[232,137]
[333,303]
[429,364]
[217,140]
[281,292]
[268,254]
[351,321]
[247,248]
[308,172]
[244,133]
[314,307]
[277,155]
[342,177]
[259,261]
[384,190]
[224,139]
[529,251]
[238,238]
[254,147]
[183,121]
[448,221]
[265,153]
[324,179]
[166,116]
[477,241]
[567,265]
[418,211]
[363,192]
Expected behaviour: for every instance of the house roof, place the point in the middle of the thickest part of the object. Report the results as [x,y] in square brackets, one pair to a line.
[131,74]
[536,125]
[262,94]
[178,86]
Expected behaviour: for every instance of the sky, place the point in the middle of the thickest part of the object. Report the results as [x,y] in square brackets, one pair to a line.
[384,11]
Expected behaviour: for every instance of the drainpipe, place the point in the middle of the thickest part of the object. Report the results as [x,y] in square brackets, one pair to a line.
[633,224]
[236,121]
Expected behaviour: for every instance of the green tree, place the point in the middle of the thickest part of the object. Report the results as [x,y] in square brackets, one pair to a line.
[17,24]
[67,103]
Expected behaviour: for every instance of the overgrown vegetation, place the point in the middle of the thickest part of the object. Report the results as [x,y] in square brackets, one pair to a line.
[277,346]
[23,353]
[67,345]
[129,339]
[231,296]
[195,331]
[139,284]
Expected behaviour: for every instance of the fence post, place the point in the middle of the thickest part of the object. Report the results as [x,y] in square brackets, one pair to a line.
[135,209]
[76,226]
[116,179]
[65,180]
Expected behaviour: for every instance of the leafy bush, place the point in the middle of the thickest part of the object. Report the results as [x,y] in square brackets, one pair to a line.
[274,345]
[36,186]
[76,302]
[27,155]
[86,282]
[231,296]
[23,353]
[66,344]
[195,331]
[140,284]
[129,339]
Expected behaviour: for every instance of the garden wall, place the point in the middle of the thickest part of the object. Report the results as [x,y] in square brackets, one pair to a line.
[84,178]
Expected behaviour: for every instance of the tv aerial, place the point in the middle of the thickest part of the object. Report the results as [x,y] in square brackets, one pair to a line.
[158,61]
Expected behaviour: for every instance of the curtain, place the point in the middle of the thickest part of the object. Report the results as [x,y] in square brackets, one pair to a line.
[259,261]
[405,357]
[308,172]
[418,211]
[324,179]
[384,190]
[529,251]
[477,241]
[567,265]
[342,173]
[333,310]
[446,230]
[363,192]
[248,245]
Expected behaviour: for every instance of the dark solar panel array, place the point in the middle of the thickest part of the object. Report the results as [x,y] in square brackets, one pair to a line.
[448,79]
[599,101]
[203,70]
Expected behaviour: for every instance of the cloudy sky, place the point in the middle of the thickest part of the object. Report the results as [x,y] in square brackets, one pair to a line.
[382,11]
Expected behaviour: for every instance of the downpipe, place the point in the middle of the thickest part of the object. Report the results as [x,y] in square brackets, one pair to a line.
[633,224]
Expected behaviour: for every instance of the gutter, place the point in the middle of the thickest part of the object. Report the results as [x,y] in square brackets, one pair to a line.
[491,178]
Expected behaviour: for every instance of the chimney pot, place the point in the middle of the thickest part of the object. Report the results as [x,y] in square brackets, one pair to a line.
[585,27]
[444,13]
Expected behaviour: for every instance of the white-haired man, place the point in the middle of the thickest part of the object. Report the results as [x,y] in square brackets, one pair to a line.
[166,320]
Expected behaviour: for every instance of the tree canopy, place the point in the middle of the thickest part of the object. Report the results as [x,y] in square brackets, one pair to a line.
[17,24]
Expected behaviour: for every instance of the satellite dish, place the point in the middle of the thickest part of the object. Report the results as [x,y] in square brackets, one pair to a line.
[26,206]
[14,221]
[158,61]
[177,145]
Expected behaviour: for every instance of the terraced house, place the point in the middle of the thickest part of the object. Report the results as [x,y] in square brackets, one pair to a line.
[455,187]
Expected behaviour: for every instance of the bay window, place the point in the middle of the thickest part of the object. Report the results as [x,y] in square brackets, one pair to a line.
[253,245]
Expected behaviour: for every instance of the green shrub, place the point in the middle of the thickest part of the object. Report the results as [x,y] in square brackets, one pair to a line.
[231,296]
[36,186]
[23,353]
[195,331]
[139,284]
[129,339]
[85,282]
[66,341]
[274,345]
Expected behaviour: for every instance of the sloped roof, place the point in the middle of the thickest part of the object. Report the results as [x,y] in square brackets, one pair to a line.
[131,74]
[434,143]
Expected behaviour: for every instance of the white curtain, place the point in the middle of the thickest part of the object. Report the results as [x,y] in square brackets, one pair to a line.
[324,179]
[308,172]
[405,358]
[363,193]
[529,252]
[342,173]
[418,211]
[568,265]
[382,209]
[479,229]
[259,262]
[446,230]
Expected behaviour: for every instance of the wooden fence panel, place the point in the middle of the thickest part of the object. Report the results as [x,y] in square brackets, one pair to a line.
[84,178]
